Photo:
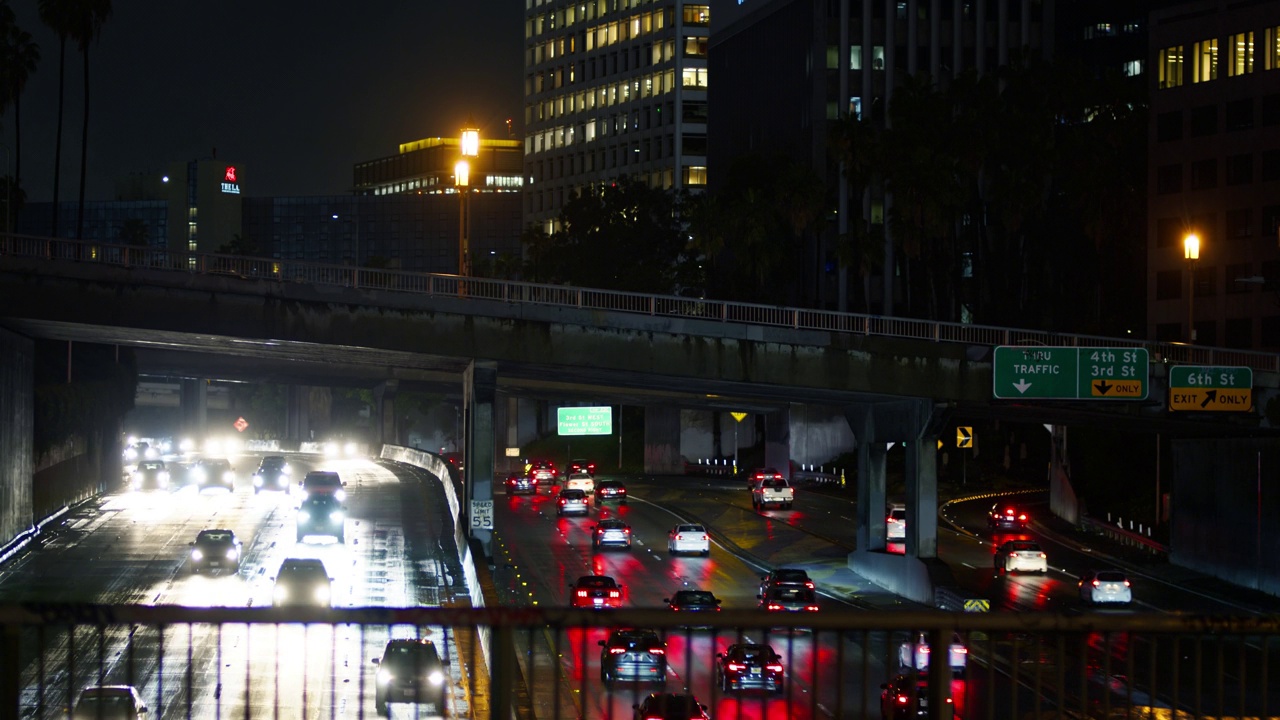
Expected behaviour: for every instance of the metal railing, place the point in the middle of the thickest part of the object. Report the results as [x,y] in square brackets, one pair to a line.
[547,663]
[508,291]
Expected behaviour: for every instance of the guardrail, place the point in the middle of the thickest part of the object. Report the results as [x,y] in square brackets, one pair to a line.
[508,291]
[317,662]
[1118,534]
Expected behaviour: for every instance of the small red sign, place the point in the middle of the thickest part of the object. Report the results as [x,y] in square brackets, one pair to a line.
[240,424]
[231,174]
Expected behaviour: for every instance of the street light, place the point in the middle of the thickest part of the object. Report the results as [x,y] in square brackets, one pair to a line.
[469,145]
[1191,251]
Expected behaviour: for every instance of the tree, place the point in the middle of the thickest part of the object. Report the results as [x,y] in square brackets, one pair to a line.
[58,15]
[19,57]
[89,17]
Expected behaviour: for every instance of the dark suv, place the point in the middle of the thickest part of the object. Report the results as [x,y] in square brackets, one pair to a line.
[302,581]
[322,515]
[633,654]
[746,666]
[273,473]
[411,671]
[324,482]
[215,549]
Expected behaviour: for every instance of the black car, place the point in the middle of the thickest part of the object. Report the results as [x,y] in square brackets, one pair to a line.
[747,666]
[611,490]
[215,549]
[611,533]
[322,515]
[693,601]
[517,484]
[150,475]
[633,654]
[789,598]
[1007,516]
[907,696]
[671,706]
[212,473]
[410,671]
[324,482]
[784,576]
[302,581]
[273,473]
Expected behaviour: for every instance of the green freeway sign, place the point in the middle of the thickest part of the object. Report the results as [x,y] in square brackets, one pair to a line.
[1206,388]
[1069,373]
[584,420]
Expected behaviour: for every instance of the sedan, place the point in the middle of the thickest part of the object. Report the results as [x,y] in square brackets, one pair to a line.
[611,490]
[915,653]
[150,475]
[1099,587]
[1020,556]
[572,502]
[633,654]
[213,473]
[1007,516]
[694,601]
[517,484]
[118,702]
[747,666]
[595,591]
[581,481]
[907,696]
[784,576]
[611,533]
[789,598]
[689,539]
[215,549]
[582,465]
[670,706]
[410,671]
[273,474]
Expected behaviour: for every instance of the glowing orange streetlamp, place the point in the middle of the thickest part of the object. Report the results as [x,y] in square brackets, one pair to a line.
[1191,251]
[469,145]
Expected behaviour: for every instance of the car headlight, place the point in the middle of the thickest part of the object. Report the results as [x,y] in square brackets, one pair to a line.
[303,516]
[257,479]
[281,593]
[336,516]
[340,495]
[197,554]
[198,474]
[385,676]
[163,476]
[322,594]
[131,454]
[282,481]
[351,448]
[331,449]
[152,453]
[229,476]
[232,554]
[187,445]
[436,677]
[137,476]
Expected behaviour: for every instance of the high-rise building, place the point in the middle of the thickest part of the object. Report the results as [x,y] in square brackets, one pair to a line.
[613,87]
[427,166]
[1214,171]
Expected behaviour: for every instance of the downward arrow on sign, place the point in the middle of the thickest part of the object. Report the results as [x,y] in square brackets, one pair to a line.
[1103,387]
[1022,385]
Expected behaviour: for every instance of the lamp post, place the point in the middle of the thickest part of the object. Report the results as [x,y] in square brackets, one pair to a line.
[1191,251]
[469,145]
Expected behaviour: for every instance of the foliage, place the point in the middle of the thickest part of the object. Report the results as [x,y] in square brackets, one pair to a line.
[100,394]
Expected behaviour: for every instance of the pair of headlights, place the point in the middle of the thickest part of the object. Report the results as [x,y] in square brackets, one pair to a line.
[198,554]
[435,677]
[320,594]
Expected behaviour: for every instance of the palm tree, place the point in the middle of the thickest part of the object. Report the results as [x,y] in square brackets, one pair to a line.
[21,55]
[89,17]
[57,15]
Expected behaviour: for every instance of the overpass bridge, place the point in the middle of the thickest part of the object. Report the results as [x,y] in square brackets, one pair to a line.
[896,379]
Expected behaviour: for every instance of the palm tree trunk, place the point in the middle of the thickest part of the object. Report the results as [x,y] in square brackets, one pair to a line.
[57,147]
[84,146]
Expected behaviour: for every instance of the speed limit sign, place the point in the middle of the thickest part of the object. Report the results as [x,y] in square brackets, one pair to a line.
[481,514]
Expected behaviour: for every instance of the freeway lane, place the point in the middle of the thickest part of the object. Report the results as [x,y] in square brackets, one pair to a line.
[132,548]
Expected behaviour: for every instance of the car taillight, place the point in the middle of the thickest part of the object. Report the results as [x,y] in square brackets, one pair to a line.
[614,594]
[1126,583]
[1023,517]
[961,650]
[737,666]
[617,651]
[657,651]
[653,717]
[1043,555]
[902,699]
[680,537]
[562,501]
[811,608]
[923,648]
[808,584]
[773,606]
[627,530]
[582,593]
[774,667]
[1096,583]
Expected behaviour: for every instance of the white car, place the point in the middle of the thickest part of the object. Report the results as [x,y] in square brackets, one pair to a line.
[572,501]
[1021,556]
[915,653]
[1105,586]
[689,539]
[122,702]
[580,481]
[895,525]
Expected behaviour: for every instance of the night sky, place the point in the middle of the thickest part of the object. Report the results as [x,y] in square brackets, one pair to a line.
[295,97]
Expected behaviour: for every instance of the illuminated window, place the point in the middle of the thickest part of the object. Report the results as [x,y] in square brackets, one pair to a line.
[1204,61]
[695,77]
[877,57]
[1169,66]
[697,14]
[694,176]
[1132,68]
[855,57]
[695,47]
[1271,48]
[1241,54]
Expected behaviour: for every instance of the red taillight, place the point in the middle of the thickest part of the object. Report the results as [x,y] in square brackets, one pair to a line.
[657,651]
[535,481]
[617,651]
[653,717]
[1096,583]
[627,530]
[1023,517]
[923,648]
[737,666]
[615,594]
[1126,583]
[773,606]
[679,537]
[582,593]
[774,667]
[902,699]
[961,650]
[811,608]
[808,584]
[562,501]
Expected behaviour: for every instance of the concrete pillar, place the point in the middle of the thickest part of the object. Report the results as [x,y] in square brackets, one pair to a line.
[479,385]
[922,496]
[297,419]
[662,441]
[384,397]
[17,438]
[195,410]
[777,441]
[871,494]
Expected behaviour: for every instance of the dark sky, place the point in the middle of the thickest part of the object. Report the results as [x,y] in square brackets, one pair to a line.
[295,97]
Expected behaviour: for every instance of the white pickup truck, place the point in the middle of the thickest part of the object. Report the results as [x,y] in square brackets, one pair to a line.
[772,491]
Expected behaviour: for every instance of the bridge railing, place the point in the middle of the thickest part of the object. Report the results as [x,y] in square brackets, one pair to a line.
[509,291]
[318,662]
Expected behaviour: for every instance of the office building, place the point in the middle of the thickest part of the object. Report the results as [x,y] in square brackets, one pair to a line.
[612,88]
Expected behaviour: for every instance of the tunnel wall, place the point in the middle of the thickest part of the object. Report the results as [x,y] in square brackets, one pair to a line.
[17,394]
[1225,518]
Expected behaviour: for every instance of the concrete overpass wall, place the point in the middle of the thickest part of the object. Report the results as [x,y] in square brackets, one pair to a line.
[17,393]
[819,434]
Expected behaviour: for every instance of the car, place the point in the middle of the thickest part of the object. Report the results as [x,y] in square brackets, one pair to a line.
[302,581]
[895,524]
[759,475]
[542,470]
[215,549]
[915,653]
[1006,516]
[149,475]
[273,473]
[772,491]
[212,473]
[1020,556]
[689,538]
[612,533]
[633,654]
[410,671]
[324,482]
[784,576]
[1099,587]
[670,706]
[322,515]
[747,666]
[694,601]
[582,465]
[611,490]
[580,481]
[572,502]
[907,696]
[595,591]
[110,702]
[518,483]
[789,598]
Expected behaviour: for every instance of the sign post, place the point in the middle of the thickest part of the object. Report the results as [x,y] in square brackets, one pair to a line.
[1207,388]
[1069,373]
